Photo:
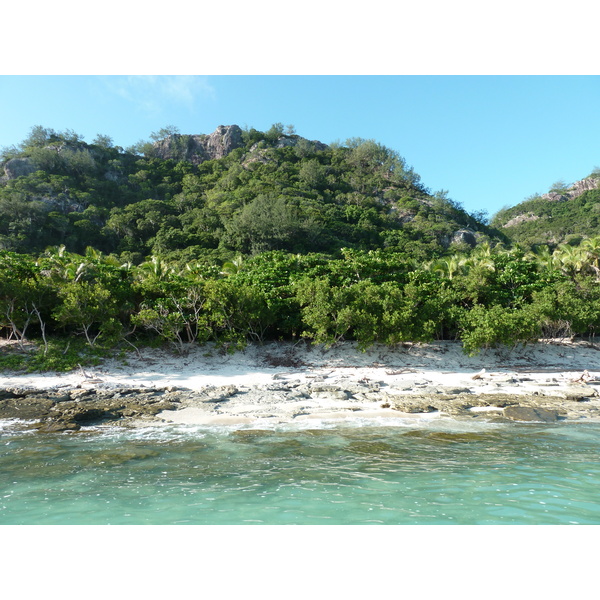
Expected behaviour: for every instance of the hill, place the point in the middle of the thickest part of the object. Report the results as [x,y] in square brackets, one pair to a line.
[566,214]
[221,194]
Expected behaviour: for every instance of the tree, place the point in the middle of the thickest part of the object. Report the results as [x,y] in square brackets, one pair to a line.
[25,295]
[275,132]
[39,137]
[164,132]
[326,310]
[104,141]
[177,314]
[89,307]
[485,327]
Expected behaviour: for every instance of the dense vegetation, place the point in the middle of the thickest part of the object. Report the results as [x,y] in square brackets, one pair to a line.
[106,248]
[259,197]
[539,220]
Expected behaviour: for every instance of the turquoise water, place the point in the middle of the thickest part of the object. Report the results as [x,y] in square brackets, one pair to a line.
[440,471]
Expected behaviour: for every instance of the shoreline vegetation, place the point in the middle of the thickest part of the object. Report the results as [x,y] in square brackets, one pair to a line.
[281,383]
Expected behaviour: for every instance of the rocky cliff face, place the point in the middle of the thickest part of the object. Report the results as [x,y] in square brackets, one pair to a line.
[199,148]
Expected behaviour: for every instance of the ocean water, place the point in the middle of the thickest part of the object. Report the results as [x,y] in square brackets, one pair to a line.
[436,471]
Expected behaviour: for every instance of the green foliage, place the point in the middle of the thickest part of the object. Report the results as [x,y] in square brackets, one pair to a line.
[294,198]
[87,308]
[100,247]
[485,327]
[59,354]
[540,221]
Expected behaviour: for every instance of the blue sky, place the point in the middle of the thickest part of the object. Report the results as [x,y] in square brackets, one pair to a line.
[490,141]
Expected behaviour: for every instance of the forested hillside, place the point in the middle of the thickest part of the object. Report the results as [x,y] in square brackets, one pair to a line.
[265,191]
[566,214]
[244,235]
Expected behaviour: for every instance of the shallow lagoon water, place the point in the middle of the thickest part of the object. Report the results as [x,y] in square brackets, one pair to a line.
[436,471]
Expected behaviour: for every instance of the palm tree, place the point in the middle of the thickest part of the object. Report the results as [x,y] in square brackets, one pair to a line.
[155,268]
[450,266]
[482,256]
[543,258]
[591,247]
[571,259]
[232,267]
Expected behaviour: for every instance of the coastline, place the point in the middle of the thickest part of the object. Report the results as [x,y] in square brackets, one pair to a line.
[279,383]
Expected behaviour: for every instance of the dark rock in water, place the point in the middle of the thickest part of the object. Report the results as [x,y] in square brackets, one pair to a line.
[451,436]
[374,448]
[25,408]
[58,426]
[530,413]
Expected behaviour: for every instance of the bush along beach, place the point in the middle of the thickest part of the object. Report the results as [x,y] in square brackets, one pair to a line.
[246,236]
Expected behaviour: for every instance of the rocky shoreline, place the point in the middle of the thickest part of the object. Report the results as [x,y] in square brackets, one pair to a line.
[70,409]
[280,383]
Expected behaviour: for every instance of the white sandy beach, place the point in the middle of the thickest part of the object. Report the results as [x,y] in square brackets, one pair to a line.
[543,368]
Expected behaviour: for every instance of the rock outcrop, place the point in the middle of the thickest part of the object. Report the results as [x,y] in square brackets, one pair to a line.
[200,148]
[524,218]
[19,167]
[197,149]
[464,236]
[70,409]
[578,188]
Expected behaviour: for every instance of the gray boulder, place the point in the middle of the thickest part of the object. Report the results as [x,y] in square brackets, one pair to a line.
[19,167]
[464,236]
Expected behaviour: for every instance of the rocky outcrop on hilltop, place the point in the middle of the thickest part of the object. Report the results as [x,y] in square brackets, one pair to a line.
[578,188]
[197,149]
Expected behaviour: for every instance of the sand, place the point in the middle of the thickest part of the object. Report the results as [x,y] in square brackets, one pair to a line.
[261,370]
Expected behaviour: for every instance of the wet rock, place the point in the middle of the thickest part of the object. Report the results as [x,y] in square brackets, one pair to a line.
[25,408]
[58,426]
[530,413]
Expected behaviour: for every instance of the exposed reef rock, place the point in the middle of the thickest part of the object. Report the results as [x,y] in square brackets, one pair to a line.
[72,409]
[69,410]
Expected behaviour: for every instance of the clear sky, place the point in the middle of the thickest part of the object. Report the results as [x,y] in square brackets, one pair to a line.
[490,141]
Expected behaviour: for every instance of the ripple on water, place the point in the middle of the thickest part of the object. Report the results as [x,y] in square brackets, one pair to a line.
[441,471]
